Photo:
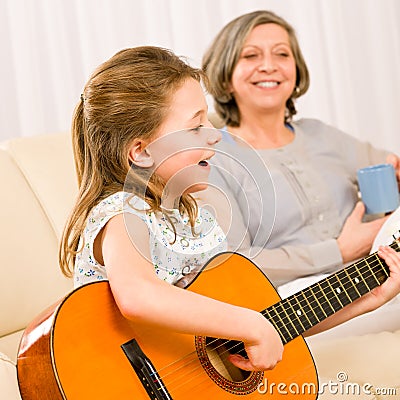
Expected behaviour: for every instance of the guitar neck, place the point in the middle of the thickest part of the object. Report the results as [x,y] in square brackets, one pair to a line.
[295,314]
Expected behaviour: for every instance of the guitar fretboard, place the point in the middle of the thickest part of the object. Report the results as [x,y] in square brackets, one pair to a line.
[294,315]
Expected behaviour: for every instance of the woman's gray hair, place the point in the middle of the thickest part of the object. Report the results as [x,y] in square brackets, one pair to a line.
[220,60]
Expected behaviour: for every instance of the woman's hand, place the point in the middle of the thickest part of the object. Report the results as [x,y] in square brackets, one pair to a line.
[356,239]
[264,352]
[395,161]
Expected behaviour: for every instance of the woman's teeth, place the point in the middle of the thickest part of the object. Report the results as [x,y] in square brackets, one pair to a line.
[267,84]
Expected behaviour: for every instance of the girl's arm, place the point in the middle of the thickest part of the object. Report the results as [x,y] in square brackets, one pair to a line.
[142,297]
[370,301]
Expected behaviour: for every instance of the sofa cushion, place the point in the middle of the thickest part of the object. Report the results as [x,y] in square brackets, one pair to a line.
[46,161]
[370,360]
[9,344]
[8,379]
[30,277]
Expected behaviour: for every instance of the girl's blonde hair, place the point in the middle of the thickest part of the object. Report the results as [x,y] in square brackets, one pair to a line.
[127,97]
[220,60]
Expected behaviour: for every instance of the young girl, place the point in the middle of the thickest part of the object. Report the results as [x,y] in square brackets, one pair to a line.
[135,222]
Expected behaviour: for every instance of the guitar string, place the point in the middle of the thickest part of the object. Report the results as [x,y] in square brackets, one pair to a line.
[205,378]
[183,380]
[372,265]
[324,298]
[195,359]
[302,301]
[350,281]
[194,370]
[291,313]
[190,376]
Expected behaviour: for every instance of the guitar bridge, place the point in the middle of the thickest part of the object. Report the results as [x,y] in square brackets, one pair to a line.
[145,371]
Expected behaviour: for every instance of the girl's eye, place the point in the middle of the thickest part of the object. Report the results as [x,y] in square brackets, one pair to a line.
[197,129]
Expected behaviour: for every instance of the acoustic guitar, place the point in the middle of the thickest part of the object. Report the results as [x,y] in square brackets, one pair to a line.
[82,348]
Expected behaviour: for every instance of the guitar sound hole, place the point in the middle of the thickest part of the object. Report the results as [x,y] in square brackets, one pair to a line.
[218,351]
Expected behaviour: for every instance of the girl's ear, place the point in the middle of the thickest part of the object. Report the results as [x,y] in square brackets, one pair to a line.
[139,155]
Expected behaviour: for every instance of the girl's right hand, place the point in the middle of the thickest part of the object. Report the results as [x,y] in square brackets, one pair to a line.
[264,352]
[356,239]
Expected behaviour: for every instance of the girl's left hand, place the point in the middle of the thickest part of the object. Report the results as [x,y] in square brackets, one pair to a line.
[395,161]
[391,287]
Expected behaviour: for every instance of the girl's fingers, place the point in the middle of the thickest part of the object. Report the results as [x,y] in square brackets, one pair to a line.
[387,253]
[392,259]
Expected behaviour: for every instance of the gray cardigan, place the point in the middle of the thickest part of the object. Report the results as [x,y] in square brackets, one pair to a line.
[285,207]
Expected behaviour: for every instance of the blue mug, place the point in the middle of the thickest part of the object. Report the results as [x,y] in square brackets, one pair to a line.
[379,189]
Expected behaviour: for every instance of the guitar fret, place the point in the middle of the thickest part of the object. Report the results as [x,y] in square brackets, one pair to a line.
[383,269]
[298,312]
[335,294]
[341,290]
[317,301]
[291,321]
[274,322]
[365,283]
[348,286]
[372,272]
[326,298]
[371,281]
[351,280]
[306,308]
[286,321]
[304,313]
[275,317]
[290,317]
[377,269]
[310,308]
[358,279]
[395,245]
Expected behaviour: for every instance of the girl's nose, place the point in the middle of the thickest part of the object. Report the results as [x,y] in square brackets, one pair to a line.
[214,136]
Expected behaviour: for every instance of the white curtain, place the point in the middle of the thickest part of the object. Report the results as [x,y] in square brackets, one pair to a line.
[50,47]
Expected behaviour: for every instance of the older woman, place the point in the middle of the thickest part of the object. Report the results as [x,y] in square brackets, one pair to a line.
[291,185]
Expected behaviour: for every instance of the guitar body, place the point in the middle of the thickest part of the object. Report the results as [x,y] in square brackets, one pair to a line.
[73,350]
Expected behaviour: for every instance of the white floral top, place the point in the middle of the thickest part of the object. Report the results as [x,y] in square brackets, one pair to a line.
[173,256]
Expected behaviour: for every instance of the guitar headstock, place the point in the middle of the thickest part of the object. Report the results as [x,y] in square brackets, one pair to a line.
[396,241]
[396,236]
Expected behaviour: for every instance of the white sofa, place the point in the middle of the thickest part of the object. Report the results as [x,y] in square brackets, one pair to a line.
[38,188]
